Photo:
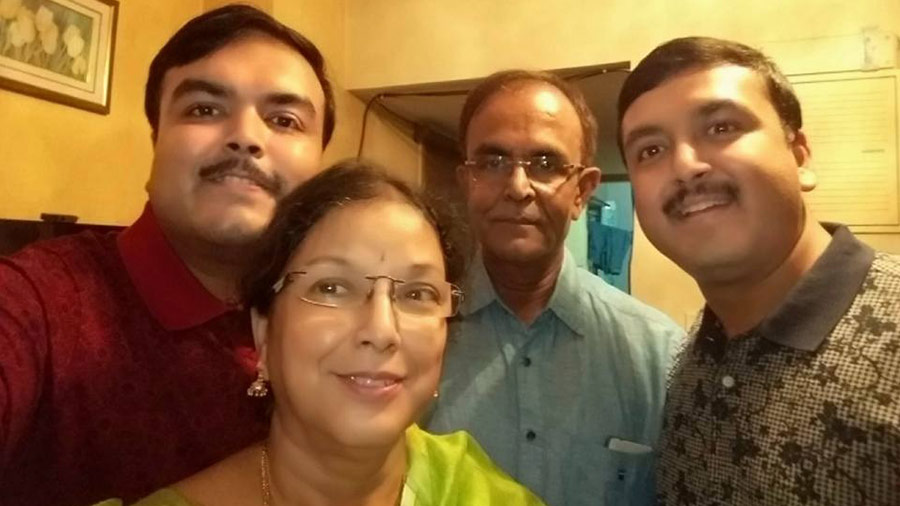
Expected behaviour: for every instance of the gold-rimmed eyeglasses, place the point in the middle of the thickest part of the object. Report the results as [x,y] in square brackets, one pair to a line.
[346,290]
[495,169]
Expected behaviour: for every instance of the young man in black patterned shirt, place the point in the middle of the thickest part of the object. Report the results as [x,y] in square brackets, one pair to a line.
[789,392]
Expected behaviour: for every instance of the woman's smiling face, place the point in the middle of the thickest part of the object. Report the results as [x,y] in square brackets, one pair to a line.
[362,373]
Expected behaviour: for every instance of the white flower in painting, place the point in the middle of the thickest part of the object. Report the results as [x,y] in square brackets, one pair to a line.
[79,66]
[43,20]
[71,31]
[9,8]
[50,39]
[21,31]
[75,45]
[74,42]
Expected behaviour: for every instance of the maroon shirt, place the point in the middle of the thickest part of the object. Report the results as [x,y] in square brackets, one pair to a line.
[119,372]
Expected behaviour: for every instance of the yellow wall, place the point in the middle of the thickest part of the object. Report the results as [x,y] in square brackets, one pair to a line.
[325,23]
[59,159]
[398,42]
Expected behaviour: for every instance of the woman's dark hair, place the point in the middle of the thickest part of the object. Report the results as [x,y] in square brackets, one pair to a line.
[213,30]
[342,184]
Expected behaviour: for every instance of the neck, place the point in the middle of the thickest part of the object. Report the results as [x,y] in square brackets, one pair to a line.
[217,268]
[525,288]
[310,469]
[742,304]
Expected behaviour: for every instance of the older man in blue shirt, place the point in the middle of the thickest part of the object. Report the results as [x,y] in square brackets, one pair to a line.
[558,375]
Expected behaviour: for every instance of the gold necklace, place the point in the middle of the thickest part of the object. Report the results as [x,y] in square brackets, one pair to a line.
[264,478]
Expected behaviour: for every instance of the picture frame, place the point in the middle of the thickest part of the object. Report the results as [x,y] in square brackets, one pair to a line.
[59,50]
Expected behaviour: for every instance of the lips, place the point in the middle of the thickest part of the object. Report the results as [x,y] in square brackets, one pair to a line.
[690,200]
[372,380]
[372,386]
[702,203]
[516,220]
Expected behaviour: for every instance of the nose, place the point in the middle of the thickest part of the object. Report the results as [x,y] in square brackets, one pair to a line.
[247,134]
[518,186]
[378,326]
[688,163]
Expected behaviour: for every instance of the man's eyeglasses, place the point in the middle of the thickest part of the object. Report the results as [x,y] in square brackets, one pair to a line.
[547,170]
[438,299]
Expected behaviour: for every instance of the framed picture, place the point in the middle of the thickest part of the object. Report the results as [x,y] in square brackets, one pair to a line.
[59,50]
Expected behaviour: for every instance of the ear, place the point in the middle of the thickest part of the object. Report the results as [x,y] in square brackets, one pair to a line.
[802,156]
[588,180]
[259,324]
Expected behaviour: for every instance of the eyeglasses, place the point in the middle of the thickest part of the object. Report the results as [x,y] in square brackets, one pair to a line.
[343,290]
[491,169]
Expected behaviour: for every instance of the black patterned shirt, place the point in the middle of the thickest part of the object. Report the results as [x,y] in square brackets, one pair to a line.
[802,410]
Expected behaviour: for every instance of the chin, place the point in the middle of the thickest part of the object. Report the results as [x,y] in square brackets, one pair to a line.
[516,251]
[370,433]
[719,266]
[233,230]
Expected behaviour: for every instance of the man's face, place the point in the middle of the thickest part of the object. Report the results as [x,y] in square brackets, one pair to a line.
[517,220]
[716,177]
[237,130]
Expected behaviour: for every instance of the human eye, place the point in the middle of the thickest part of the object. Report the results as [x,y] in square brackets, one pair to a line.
[203,111]
[721,128]
[419,294]
[491,163]
[647,153]
[330,290]
[286,122]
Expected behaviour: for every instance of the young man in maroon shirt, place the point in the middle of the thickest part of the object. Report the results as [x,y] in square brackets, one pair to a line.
[125,358]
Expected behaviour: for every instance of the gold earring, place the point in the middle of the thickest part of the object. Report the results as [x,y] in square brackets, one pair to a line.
[436,394]
[259,388]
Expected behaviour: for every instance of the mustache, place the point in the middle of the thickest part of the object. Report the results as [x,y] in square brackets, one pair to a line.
[245,168]
[675,202]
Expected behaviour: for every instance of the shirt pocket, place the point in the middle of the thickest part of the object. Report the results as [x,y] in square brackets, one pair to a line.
[612,478]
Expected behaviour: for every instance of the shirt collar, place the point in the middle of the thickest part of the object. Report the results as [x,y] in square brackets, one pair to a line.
[565,302]
[479,290]
[174,296]
[815,305]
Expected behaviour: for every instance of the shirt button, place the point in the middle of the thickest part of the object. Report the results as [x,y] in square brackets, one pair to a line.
[530,435]
[526,361]
[727,381]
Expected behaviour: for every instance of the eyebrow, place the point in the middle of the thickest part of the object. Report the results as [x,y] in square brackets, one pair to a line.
[641,132]
[292,100]
[420,269]
[714,106]
[496,149]
[200,86]
[413,270]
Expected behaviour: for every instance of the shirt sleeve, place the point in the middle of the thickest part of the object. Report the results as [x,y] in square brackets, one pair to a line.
[23,350]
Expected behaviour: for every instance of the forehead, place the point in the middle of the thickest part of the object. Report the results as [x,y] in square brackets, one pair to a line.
[378,231]
[684,95]
[522,114]
[254,64]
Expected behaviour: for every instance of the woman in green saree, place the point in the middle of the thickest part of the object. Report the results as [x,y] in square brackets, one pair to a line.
[350,294]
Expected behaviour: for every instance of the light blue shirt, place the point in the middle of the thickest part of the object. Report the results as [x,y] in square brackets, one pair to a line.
[544,400]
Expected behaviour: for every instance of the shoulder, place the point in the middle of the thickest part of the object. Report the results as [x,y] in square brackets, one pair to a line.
[882,285]
[887,266]
[232,481]
[455,465]
[163,497]
[611,306]
[53,261]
